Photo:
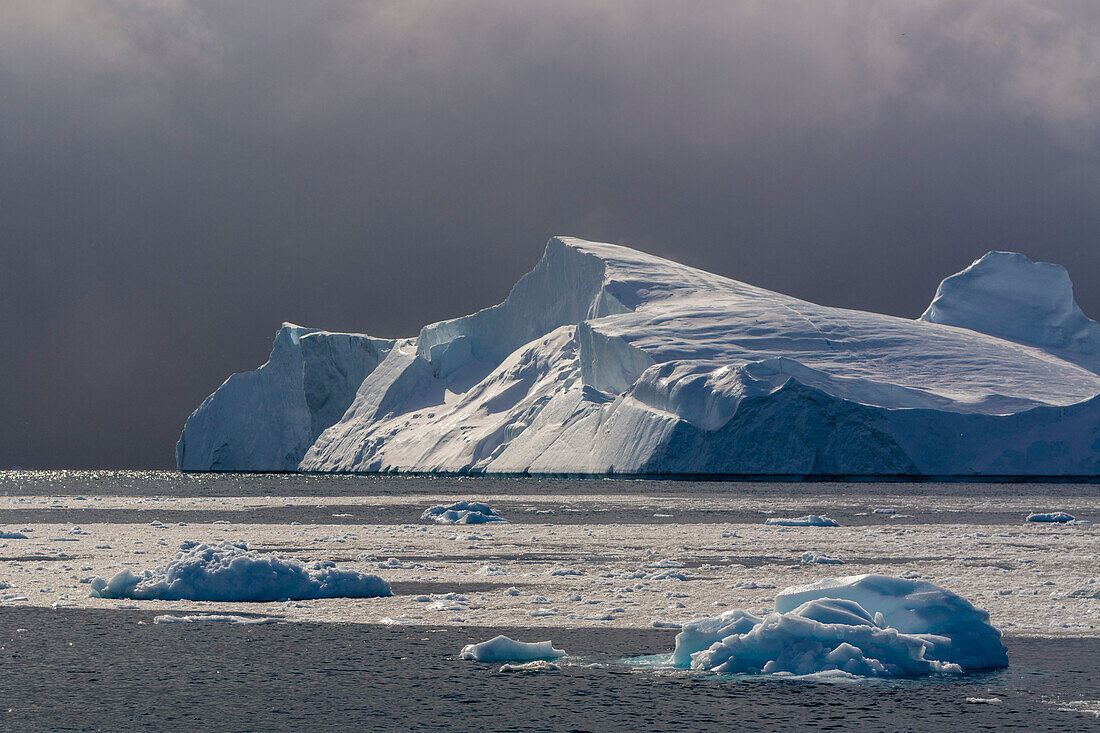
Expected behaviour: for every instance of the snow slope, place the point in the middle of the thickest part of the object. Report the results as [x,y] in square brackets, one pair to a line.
[604,359]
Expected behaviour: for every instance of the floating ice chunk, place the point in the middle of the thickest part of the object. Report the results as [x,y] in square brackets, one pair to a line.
[662,624]
[228,571]
[503,649]
[810,520]
[885,511]
[213,619]
[6,535]
[490,570]
[813,557]
[864,625]
[539,665]
[564,571]
[1050,517]
[462,512]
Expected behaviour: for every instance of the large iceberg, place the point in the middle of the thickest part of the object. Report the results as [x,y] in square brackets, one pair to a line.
[606,360]
[863,625]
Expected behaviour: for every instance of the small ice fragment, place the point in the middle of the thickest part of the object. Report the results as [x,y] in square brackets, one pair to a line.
[539,665]
[810,520]
[213,619]
[813,557]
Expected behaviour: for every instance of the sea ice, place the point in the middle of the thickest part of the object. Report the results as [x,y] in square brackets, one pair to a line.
[227,571]
[502,649]
[462,512]
[810,520]
[863,625]
[6,535]
[1050,517]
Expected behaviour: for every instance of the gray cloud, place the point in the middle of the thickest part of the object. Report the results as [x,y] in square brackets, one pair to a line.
[181,177]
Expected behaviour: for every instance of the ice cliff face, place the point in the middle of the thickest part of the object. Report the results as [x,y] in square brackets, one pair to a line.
[266,420]
[607,360]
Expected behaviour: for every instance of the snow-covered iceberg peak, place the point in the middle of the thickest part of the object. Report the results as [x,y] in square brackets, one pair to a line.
[1007,295]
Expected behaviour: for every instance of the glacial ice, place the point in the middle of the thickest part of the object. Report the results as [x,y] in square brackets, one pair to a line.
[502,649]
[863,625]
[605,360]
[228,571]
[462,512]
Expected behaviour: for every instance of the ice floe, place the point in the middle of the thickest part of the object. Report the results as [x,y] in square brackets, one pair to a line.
[502,649]
[863,625]
[227,571]
[462,512]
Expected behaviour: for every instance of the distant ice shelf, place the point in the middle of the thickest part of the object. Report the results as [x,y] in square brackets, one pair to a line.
[606,360]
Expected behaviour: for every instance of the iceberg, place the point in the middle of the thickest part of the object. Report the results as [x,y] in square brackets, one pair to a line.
[606,360]
[227,571]
[862,625]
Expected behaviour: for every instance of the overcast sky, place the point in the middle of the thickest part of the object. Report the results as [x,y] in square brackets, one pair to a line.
[177,178]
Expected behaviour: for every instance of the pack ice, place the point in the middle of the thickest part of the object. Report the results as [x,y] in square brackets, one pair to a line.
[862,625]
[604,360]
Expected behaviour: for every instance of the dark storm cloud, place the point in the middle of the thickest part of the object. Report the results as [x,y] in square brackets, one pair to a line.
[177,178]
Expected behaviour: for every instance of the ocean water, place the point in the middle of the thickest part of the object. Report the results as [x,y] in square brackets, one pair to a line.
[83,670]
[96,668]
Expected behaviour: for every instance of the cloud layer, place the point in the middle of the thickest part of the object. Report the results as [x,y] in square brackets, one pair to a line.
[180,177]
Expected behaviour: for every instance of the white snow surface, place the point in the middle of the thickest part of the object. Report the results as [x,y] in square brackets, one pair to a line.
[502,649]
[462,512]
[604,359]
[863,625]
[228,571]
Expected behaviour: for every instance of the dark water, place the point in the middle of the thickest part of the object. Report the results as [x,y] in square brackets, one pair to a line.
[91,670]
